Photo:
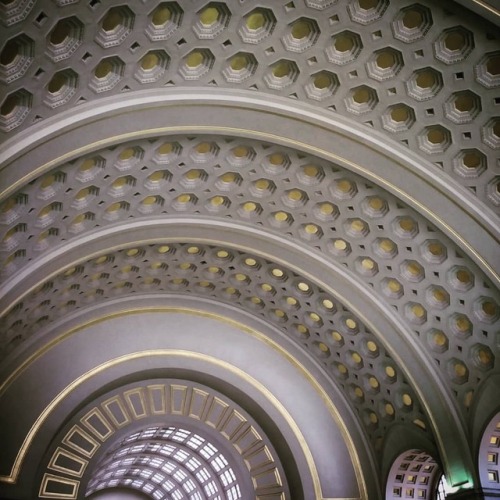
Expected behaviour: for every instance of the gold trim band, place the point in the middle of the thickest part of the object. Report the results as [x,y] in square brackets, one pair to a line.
[381,181]
[12,477]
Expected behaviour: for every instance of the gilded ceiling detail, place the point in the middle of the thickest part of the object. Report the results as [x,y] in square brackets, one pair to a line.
[422,78]
[426,78]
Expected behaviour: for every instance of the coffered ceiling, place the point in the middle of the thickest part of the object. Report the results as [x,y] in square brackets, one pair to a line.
[287,207]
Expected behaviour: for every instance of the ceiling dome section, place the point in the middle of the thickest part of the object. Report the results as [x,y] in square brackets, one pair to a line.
[381,63]
[258,241]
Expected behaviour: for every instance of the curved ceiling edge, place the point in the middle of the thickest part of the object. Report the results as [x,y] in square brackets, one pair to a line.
[485,8]
[385,324]
[467,221]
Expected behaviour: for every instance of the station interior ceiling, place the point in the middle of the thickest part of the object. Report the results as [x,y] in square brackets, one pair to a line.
[249,249]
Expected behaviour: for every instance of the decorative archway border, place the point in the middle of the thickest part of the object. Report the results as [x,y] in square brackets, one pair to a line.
[159,400]
[144,114]
[489,455]
[423,375]
[203,358]
[414,474]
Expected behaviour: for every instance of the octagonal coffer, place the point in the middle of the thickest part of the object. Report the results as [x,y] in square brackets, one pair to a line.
[115,26]
[164,21]
[14,109]
[211,20]
[152,66]
[15,58]
[15,11]
[301,34]
[107,74]
[367,11]
[61,88]
[257,25]
[412,23]
[64,38]
[488,70]
[344,47]
[239,67]
[196,64]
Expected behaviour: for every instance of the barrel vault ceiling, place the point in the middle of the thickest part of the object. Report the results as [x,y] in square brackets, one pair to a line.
[285,208]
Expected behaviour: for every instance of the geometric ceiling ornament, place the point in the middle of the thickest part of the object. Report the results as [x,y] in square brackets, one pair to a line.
[333,335]
[282,33]
[207,446]
[385,245]
[323,172]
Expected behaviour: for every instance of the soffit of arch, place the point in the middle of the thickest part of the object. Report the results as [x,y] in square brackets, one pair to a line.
[311,318]
[322,325]
[437,292]
[402,172]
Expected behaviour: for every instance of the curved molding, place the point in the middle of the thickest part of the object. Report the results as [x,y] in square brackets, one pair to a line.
[273,119]
[181,350]
[485,8]
[421,371]
[160,403]
[163,353]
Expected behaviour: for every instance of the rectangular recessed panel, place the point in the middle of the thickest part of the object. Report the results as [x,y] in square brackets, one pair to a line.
[137,403]
[115,409]
[233,424]
[260,458]
[269,494]
[266,480]
[216,413]
[396,492]
[247,440]
[157,400]
[96,422]
[58,487]
[493,476]
[67,462]
[198,404]
[79,440]
[178,394]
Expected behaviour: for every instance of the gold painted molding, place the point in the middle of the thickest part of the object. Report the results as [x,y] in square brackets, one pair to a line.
[23,451]
[488,7]
[275,139]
